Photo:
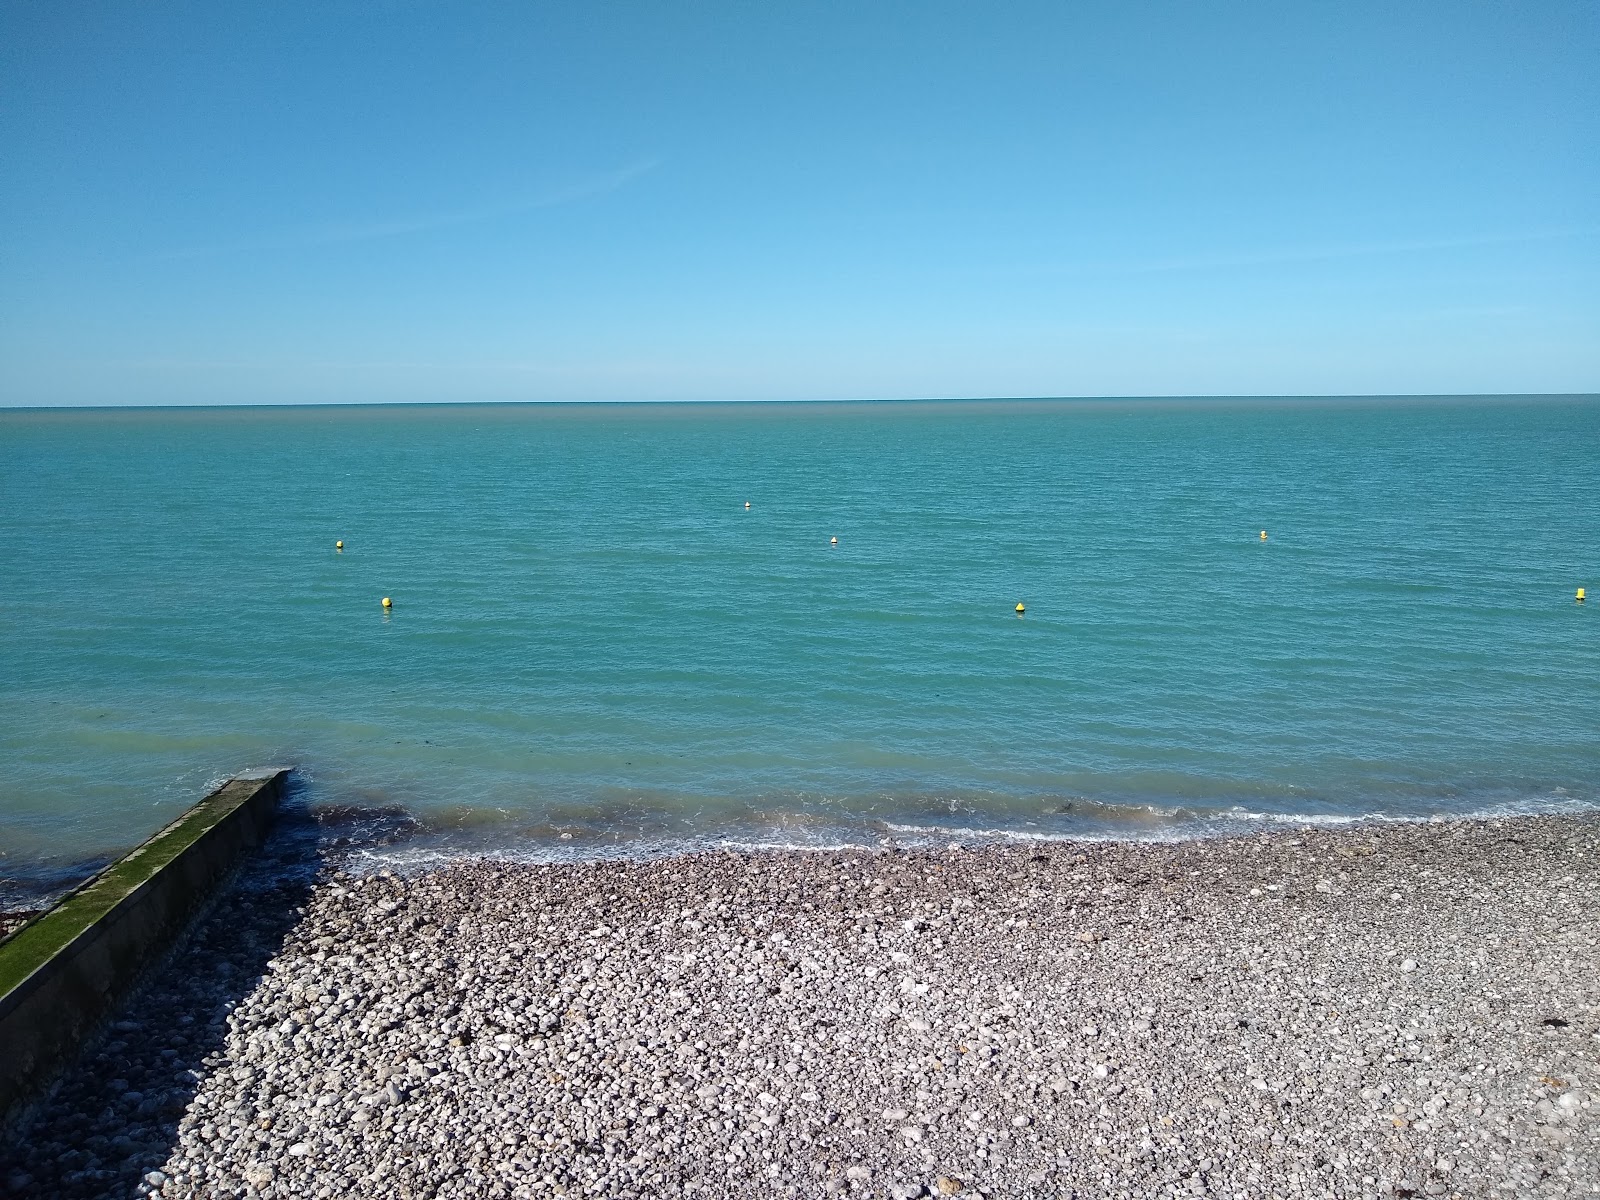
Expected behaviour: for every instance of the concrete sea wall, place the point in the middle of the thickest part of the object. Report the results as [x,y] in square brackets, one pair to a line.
[64,971]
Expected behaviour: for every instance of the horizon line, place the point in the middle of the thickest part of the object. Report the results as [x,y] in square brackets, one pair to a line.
[817,401]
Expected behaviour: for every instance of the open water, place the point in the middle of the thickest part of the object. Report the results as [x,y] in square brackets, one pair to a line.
[596,647]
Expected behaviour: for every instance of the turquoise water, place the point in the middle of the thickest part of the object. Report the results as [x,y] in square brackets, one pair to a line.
[594,643]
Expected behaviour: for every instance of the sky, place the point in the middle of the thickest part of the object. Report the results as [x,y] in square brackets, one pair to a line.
[395,200]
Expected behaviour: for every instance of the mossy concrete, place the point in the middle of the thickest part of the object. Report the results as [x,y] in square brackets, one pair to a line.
[64,971]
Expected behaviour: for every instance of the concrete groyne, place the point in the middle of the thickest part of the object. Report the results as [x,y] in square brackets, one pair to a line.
[65,970]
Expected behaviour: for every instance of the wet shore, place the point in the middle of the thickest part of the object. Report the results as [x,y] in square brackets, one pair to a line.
[1385,1010]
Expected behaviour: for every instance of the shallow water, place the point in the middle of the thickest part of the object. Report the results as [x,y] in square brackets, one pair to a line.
[595,645]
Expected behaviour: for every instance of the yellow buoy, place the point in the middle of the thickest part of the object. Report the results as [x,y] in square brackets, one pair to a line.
[1263,535]
[387,603]
[338,545]
[1580,595]
[833,541]
[1020,608]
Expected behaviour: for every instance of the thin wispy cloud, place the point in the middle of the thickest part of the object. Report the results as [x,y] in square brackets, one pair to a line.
[573,192]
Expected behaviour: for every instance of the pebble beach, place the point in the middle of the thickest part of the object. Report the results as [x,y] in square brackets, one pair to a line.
[1368,1011]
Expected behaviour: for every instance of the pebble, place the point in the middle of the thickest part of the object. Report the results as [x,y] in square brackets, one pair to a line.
[724,1025]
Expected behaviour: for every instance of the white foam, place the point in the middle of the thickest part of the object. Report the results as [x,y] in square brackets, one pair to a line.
[1171,825]
[259,772]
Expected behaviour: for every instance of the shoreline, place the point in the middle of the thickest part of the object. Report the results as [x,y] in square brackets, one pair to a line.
[409,839]
[1383,1009]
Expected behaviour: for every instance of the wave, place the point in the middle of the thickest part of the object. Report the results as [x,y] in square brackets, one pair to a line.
[415,842]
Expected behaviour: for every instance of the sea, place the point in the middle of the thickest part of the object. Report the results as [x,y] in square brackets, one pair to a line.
[635,629]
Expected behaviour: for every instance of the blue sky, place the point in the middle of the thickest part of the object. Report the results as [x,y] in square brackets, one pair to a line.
[408,201]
